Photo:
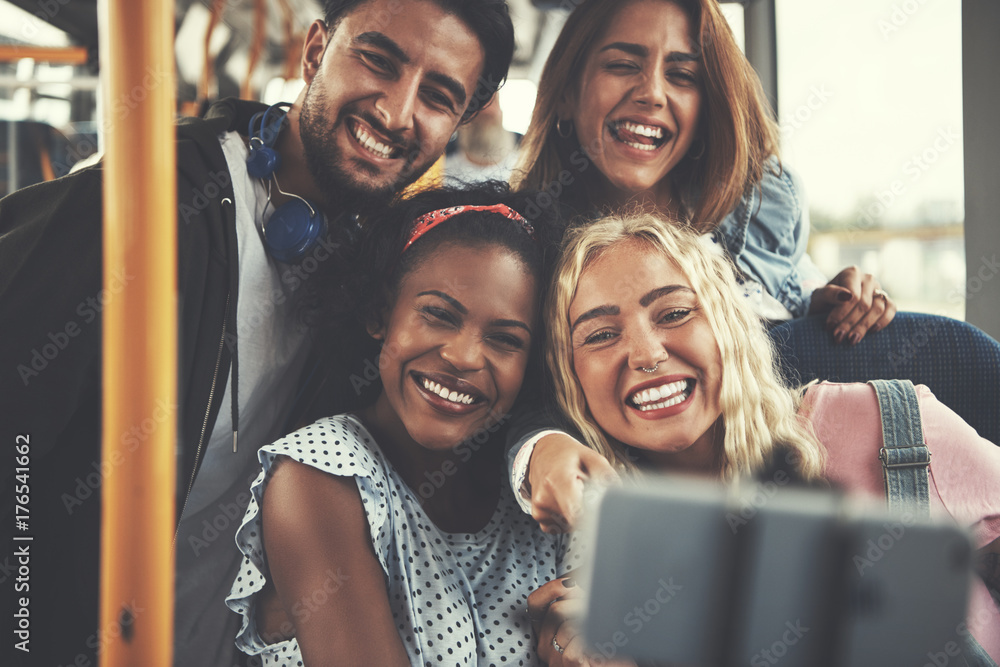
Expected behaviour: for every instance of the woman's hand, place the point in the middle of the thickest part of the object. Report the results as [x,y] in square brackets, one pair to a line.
[555,610]
[856,305]
[558,471]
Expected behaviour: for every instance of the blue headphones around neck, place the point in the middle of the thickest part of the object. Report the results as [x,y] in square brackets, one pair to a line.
[296,226]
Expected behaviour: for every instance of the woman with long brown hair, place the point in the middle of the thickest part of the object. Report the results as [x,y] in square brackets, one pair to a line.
[651,105]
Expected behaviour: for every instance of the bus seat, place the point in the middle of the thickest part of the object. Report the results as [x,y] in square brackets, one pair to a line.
[31,152]
[957,361]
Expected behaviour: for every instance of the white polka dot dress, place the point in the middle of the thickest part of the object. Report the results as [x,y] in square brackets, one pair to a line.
[457,599]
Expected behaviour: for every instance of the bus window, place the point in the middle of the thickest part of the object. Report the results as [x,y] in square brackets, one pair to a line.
[871,118]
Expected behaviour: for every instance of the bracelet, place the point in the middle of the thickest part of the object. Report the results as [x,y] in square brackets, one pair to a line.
[519,470]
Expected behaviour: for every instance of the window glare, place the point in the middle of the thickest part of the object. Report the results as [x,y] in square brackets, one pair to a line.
[734,16]
[871,118]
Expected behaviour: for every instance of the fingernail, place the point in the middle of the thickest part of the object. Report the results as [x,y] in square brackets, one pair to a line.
[844,296]
[854,338]
[838,335]
[569,582]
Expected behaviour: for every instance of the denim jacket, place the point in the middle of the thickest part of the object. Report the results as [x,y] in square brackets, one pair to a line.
[766,236]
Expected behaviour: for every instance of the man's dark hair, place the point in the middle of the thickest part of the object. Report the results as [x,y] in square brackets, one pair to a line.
[488,19]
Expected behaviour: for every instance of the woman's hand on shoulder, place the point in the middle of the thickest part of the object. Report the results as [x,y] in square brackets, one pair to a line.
[558,473]
[856,305]
[555,610]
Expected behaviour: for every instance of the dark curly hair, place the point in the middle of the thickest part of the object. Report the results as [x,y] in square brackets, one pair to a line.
[488,19]
[361,285]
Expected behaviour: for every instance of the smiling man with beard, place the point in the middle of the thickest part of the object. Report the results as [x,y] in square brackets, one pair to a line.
[388,82]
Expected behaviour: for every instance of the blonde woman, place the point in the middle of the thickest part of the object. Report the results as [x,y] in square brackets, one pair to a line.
[661,367]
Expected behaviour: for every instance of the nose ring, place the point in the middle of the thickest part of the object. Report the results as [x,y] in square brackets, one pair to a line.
[650,370]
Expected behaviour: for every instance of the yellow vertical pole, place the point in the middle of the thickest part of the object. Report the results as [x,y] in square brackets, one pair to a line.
[140,332]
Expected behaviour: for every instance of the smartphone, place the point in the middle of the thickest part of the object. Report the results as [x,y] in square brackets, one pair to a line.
[688,572]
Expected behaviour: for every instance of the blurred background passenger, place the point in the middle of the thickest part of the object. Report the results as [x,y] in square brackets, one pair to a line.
[485,150]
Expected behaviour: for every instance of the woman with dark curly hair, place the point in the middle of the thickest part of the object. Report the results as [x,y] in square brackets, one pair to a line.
[387,536]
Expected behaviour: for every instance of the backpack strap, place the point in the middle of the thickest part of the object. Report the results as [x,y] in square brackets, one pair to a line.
[905,459]
[904,455]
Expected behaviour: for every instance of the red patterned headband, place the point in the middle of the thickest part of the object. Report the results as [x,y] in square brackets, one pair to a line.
[429,221]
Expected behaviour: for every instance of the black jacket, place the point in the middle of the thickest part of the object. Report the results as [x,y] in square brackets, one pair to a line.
[50,387]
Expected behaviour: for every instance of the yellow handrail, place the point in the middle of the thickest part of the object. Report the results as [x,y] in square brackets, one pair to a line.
[293,41]
[256,46]
[70,55]
[208,66]
[140,332]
